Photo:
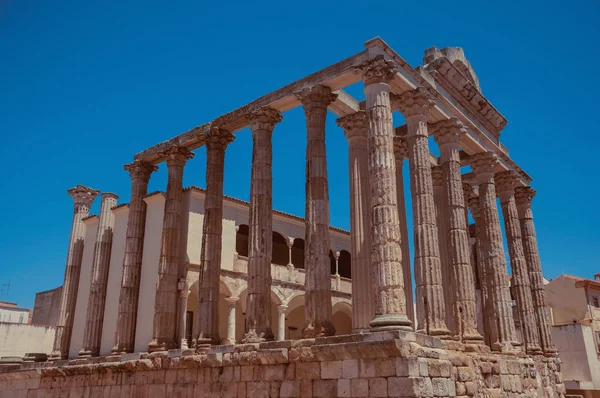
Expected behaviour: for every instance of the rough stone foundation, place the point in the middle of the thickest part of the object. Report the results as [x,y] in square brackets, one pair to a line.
[385,364]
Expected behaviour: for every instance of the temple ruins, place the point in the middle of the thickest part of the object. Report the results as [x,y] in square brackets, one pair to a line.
[189,293]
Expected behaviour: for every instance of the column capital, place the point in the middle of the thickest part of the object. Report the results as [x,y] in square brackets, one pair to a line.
[448,132]
[83,196]
[437,176]
[354,125]
[109,195]
[524,195]
[506,182]
[318,96]
[483,164]
[282,308]
[377,70]
[472,198]
[177,155]
[415,102]
[264,118]
[218,138]
[232,300]
[290,242]
[400,148]
[140,170]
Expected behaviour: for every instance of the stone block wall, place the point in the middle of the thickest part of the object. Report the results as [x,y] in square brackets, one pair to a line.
[373,365]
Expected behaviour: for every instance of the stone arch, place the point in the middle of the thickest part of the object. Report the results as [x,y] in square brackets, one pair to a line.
[279,251]
[342,317]
[298,253]
[295,317]
[345,264]
[241,240]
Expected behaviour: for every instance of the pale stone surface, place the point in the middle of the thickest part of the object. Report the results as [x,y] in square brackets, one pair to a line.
[166,299]
[258,301]
[317,284]
[448,134]
[363,298]
[524,196]
[506,183]
[231,326]
[502,328]
[132,262]
[83,197]
[212,237]
[431,313]
[386,253]
[100,263]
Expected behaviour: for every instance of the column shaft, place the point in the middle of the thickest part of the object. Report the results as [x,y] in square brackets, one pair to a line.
[502,328]
[258,301]
[181,332]
[132,260]
[83,197]
[431,312]
[524,195]
[231,321]
[281,326]
[100,264]
[210,257]
[316,248]
[386,251]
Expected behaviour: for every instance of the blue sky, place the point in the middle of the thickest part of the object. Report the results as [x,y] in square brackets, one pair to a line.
[85,85]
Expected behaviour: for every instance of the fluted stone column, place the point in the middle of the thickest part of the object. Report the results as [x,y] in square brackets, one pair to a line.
[165,302]
[523,196]
[437,178]
[506,182]
[448,134]
[132,260]
[502,328]
[401,152]
[231,323]
[386,251]
[83,197]
[363,298]
[431,312]
[210,257]
[95,312]
[281,325]
[258,301]
[317,283]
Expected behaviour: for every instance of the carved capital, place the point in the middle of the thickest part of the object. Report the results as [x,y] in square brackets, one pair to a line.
[218,139]
[506,182]
[377,70]
[437,176]
[139,170]
[414,102]
[232,300]
[290,242]
[109,195]
[483,165]
[400,148]
[264,118]
[448,132]
[318,96]
[177,155]
[83,196]
[354,124]
[524,196]
[471,198]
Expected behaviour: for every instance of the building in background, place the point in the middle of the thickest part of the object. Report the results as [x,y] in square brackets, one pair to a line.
[575,304]
[46,307]
[10,313]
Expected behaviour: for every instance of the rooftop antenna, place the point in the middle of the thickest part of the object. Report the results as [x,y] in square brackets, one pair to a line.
[5,289]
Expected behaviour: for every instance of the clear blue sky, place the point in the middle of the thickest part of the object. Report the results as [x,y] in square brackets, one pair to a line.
[86,85]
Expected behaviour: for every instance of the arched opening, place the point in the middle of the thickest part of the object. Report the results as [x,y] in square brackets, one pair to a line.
[298,253]
[345,264]
[342,318]
[241,240]
[332,262]
[279,251]
[295,318]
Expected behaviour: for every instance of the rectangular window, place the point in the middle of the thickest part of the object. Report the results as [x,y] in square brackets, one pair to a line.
[595,302]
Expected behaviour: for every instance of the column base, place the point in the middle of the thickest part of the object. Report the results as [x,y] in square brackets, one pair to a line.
[472,337]
[121,349]
[550,352]
[165,345]
[312,331]
[87,354]
[533,350]
[258,337]
[57,356]
[390,322]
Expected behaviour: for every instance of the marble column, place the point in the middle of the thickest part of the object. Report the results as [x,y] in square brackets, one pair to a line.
[258,302]
[431,312]
[524,196]
[464,301]
[210,256]
[165,302]
[317,285]
[183,296]
[83,197]
[100,263]
[506,182]
[281,326]
[401,153]
[502,332]
[363,298]
[132,261]
[231,303]
[386,249]
[437,178]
